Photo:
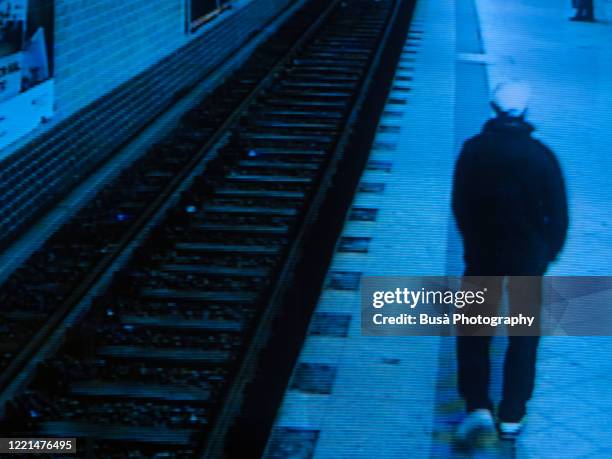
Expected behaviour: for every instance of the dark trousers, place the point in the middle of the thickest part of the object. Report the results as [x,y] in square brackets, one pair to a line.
[473,360]
[585,9]
[519,374]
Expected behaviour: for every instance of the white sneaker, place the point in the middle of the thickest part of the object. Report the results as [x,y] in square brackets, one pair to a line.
[510,430]
[476,424]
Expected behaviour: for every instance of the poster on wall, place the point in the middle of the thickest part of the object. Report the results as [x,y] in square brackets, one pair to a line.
[26,66]
[199,12]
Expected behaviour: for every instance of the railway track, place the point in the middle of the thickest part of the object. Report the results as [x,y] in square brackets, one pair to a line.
[209,222]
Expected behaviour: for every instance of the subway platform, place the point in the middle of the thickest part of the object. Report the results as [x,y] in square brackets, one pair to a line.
[353,396]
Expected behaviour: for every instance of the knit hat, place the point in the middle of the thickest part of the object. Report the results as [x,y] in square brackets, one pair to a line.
[511,98]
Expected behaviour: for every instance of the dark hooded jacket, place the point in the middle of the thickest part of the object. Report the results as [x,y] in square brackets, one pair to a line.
[509,200]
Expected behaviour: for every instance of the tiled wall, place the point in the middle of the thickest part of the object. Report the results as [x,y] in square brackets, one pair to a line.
[102,43]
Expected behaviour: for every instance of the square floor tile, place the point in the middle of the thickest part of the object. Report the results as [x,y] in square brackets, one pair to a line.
[344,280]
[330,324]
[292,443]
[314,378]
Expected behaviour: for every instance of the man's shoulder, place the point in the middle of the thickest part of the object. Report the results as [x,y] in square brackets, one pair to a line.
[477,143]
[544,150]
[474,141]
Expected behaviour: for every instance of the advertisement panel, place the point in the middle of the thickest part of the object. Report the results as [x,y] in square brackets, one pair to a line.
[26,66]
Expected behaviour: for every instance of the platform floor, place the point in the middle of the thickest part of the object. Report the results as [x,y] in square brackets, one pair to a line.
[353,396]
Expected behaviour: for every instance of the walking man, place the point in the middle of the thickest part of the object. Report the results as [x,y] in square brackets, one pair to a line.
[509,202]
